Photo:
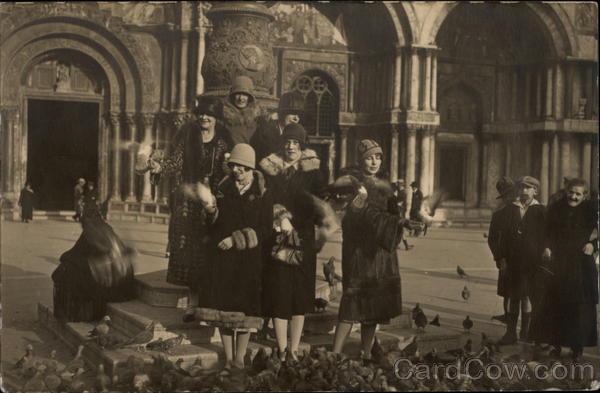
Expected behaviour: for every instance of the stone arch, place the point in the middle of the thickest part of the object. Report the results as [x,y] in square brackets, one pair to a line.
[86,21]
[293,68]
[404,20]
[558,28]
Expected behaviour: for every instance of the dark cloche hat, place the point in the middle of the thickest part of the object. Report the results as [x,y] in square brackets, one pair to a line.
[208,105]
[294,131]
[504,186]
[291,103]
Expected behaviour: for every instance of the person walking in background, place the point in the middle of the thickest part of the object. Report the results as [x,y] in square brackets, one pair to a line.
[293,177]
[398,205]
[244,221]
[241,111]
[198,156]
[26,201]
[498,233]
[267,138]
[78,198]
[415,207]
[525,236]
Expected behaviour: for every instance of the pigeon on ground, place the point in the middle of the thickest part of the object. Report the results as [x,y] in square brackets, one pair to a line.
[466,294]
[320,305]
[26,358]
[408,346]
[329,272]
[416,310]
[142,338]
[435,321]
[102,329]
[166,345]
[485,235]
[467,324]
[469,345]
[461,272]
[421,320]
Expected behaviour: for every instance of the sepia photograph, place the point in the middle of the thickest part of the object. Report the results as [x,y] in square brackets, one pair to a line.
[266,196]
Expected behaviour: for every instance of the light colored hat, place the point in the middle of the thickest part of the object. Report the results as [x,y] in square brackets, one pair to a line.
[529,181]
[243,154]
[242,84]
[368,147]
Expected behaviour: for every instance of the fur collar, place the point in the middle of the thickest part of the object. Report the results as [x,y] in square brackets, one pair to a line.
[258,187]
[234,116]
[273,164]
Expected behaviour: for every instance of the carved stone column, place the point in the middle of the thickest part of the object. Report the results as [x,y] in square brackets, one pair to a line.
[486,140]
[394,151]
[545,170]
[565,155]
[411,147]
[183,79]
[586,159]
[175,58]
[148,120]
[427,82]
[558,91]
[115,122]
[103,159]
[201,48]
[554,163]
[549,91]
[240,44]
[425,145]
[434,81]
[538,94]
[413,97]
[527,112]
[397,78]
[10,117]
[166,41]
[432,160]
[132,126]
[507,155]
[344,146]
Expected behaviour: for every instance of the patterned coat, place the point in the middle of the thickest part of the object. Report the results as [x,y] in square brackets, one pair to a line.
[188,232]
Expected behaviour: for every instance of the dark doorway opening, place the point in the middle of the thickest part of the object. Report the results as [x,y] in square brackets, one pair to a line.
[62,147]
[453,159]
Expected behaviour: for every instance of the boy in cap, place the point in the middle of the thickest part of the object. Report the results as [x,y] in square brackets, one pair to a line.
[241,111]
[267,138]
[522,250]
[497,234]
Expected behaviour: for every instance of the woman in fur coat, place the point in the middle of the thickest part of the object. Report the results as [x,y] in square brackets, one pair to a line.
[245,219]
[198,156]
[371,232]
[241,111]
[293,177]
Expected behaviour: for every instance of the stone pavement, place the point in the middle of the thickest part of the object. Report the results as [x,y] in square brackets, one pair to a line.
[30,252]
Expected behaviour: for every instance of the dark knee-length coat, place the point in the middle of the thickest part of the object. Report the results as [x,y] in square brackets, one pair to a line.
[290,290]
[26,201]
[192,161]
[568,310]
[372,290]
[498,231]
[237,281]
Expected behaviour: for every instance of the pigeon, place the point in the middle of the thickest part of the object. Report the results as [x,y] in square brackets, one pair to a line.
[166,345]
[461,272]
[329,272]
[421,320]
[416,310]
[467,324]
[486,342]
[142,338]
[466,294]
[25,359]
[435,321]
[320,305]
[485,235]
[468,346]
[102,329]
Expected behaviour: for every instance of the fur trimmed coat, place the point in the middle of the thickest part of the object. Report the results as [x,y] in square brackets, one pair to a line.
[241,123]
[372,291]
[236,283]
[290,290]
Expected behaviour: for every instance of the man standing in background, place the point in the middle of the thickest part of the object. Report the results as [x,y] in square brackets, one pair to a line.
[78,198]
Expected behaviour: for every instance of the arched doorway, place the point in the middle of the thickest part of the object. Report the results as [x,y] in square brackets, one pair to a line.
[321,112]
[63,92]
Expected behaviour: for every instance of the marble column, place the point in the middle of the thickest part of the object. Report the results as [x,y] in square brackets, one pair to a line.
[507,154]
[486,140]
[549,92]
[394,151]
[538,94]
[586,159]
[183,79]
[397,78]
[545,170]
[103,158]
[569,93]
[175,69]
[9,115]
[131,125]
[201,49]
[432,161]
[167,70]
[427,78]
[565,156]
[527,112]
[344,146]
[148,119]
[434,81]
[554,164]
[558,91]
[414,80]
[411,147]
[425,145]
[115,122]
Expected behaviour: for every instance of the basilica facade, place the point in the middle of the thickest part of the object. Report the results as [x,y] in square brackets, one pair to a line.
[458,94]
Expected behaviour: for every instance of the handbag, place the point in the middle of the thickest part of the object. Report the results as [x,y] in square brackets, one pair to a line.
[287,249]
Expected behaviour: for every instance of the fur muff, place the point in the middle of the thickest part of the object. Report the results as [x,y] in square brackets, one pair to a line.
[239,241]
[273,164]
[251,239]
[378,187]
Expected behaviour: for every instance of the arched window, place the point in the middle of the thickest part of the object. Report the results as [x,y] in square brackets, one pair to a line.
[321,99]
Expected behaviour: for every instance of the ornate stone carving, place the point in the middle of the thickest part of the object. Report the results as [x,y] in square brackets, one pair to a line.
[587,18]
[240,44]
[292,68]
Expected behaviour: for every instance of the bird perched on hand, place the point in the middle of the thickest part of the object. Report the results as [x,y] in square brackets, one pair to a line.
[320,305]
[467,324]
[466,294]
[461,272]
[421,320]
[435,321]
[329,272]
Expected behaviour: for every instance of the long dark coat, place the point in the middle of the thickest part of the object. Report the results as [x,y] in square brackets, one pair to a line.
[241,123]
[97,270]
[372,290]
[189,162]
[568,311]
[267,138]
[523,247]
[415,208]
[237,280]
[26,201]
[290,290]
[498,232]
